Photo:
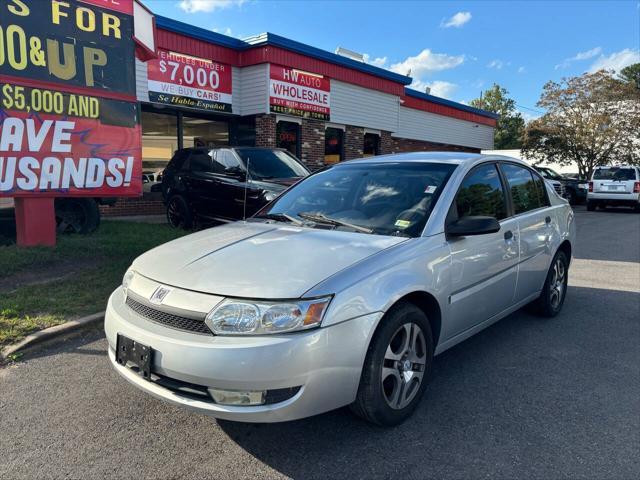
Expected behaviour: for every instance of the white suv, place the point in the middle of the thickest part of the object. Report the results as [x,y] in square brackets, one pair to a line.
[614,186]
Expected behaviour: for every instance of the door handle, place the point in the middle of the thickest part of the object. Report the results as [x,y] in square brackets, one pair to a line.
[508,235]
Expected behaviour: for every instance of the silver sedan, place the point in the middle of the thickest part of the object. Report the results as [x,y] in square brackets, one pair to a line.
[343,289]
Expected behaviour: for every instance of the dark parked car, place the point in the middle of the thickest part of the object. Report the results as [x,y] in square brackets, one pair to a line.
[574,188]
[227,183]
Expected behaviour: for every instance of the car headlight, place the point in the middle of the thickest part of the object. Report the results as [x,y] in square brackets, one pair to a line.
[127,279]
[246,317]
[583,186]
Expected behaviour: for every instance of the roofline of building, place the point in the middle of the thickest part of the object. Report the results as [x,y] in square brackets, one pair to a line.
[309,51]
[449,103]
[265,39]
[277,41]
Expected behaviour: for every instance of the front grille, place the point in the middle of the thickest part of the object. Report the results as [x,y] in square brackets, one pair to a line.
[168,319]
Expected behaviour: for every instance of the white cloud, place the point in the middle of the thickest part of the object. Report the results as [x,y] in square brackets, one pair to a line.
[521,69]
[579,57]
[588,54]
[458,20]
[378,61]
[438,88]
[497,64]
[427,62]
[195,6]
[616,61]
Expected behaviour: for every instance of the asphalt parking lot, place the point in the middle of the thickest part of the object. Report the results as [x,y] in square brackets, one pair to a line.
[528,397]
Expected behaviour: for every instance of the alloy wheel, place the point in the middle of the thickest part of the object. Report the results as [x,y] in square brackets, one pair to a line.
[404,365]
[175,213]
[557,286]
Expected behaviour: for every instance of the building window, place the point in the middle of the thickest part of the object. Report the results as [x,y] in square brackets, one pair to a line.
[288,137]
[371,144]
[333,145]
[203,132]
[159,139]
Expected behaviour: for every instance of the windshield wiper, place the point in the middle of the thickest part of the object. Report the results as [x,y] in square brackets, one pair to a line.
[321,218]
[280,217]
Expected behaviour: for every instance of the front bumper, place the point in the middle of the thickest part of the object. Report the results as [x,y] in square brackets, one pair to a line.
[325,363]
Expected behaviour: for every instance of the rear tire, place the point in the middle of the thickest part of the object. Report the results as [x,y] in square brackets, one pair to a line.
[591,205]
[179,213]
[550,302]
[396,368]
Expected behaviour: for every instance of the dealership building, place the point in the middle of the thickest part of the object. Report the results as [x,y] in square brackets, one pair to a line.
[208,89]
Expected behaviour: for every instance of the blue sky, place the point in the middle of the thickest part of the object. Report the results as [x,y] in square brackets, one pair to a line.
[456,48]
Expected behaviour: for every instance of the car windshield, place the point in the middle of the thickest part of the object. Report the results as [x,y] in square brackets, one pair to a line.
[265,163]
[548,173]
[614,173]
[381,198]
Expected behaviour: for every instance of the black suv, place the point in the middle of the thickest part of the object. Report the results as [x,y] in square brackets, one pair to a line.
[225,183]
[575,190]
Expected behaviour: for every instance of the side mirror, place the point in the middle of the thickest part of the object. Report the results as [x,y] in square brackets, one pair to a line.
[477,225]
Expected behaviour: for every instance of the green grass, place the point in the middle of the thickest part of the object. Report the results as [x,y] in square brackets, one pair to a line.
[101,260]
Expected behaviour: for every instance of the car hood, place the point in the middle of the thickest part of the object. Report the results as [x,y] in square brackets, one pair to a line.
[258,260]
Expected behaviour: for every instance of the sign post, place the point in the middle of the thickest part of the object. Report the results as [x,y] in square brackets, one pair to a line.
[69,121]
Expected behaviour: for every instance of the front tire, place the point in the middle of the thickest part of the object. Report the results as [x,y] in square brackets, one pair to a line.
[550,302]
[396,368]
[591,205]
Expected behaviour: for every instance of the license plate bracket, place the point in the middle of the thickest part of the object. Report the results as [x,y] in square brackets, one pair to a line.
[134,355]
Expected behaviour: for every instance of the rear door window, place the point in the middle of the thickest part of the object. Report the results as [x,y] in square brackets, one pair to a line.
[524,191]
[542,190]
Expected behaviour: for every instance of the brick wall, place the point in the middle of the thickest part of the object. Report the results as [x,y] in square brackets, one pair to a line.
[386,143]
[312,143]
[266,131]
[353,142]
[148,204]
[408,145]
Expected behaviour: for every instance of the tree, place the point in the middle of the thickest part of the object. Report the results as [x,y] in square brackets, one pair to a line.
[510,127]
[590,120]
[631,74]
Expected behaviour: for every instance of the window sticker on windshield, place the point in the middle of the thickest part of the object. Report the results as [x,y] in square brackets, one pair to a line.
[402,223]
[430,189]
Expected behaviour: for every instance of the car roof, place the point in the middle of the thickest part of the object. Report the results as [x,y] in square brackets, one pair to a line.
[231,147]
[615,166]
[455,158]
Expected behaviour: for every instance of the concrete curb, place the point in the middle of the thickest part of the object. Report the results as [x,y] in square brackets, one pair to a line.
[51,332]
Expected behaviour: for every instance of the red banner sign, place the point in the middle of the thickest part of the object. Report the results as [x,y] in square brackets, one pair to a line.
[178,79]
[68,116]
[303,94]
